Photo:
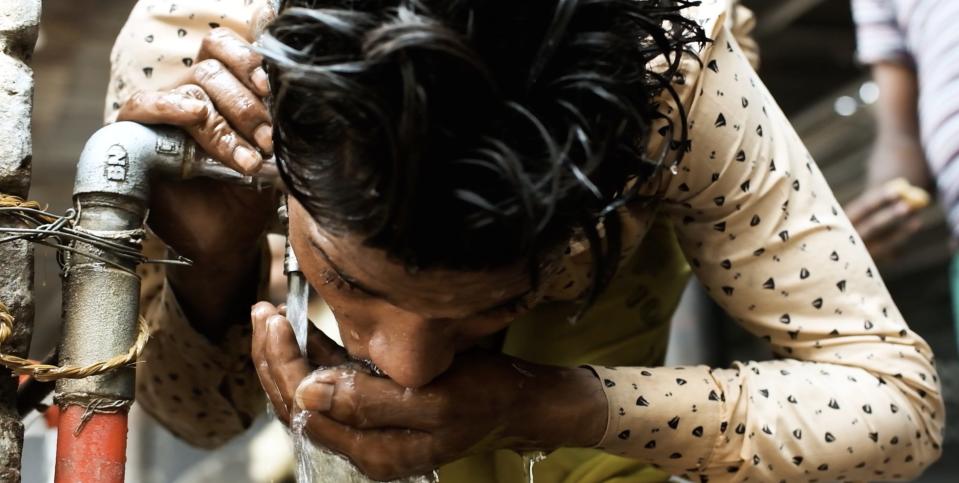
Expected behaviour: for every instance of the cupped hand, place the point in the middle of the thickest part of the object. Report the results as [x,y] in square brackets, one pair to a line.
[483,402]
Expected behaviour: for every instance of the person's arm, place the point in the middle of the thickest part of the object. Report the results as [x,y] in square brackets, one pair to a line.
[195,375]
[897,152]
[855,394]
[883,219]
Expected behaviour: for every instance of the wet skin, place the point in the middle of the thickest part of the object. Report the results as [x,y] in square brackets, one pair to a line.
[440,399]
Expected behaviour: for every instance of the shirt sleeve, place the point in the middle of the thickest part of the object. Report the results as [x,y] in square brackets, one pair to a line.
[878,34]
[741,21]
[202,391]
[854,394]
[161,38]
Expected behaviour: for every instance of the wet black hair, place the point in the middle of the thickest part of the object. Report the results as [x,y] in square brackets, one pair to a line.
[472,134]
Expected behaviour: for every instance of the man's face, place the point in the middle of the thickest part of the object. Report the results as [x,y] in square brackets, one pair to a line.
[410,325]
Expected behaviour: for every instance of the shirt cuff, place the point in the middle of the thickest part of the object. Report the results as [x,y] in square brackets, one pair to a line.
[667,416]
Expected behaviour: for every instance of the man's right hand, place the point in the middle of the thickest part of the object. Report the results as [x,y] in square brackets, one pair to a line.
[218,226]
[884,219]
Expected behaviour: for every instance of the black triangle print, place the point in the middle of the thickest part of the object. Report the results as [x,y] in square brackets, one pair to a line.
[817,303]
[784,235]
[720,120]
[833,404]
[772,165]
[769,284]
[785,319]
[674,423]
[624,435]
[759,130]
[793,334]
[719,200]
[728,290]
[841,285]
[651,444]
[796,185]
[803,274]
[715,177]
[744,186]
[797,433]
[721,226]
[713,66]
[726,264]
[641,401]
[745,103]
[741,156]
[755,221]
[868,325]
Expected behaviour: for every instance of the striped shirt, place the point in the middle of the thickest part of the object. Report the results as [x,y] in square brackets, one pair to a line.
[922,33]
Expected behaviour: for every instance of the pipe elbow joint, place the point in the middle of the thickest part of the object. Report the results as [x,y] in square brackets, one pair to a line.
[120,158]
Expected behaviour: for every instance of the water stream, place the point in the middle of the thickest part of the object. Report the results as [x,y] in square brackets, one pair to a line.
[529,460]
[318,465]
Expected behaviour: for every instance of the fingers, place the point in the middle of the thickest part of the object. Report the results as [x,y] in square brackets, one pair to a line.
[382,455]
[190,108]
[235,101]
[217,137]
[870,202]
[363,401]
[883,221]
[164,107]
[889,246]
[262,313]
[285,365]
[238,56]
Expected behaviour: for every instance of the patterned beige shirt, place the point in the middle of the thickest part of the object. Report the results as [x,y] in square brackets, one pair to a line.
[854,394]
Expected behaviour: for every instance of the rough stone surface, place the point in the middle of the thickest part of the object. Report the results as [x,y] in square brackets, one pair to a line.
[19,24]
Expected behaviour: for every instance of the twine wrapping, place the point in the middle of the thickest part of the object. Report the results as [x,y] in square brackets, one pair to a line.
[47,372]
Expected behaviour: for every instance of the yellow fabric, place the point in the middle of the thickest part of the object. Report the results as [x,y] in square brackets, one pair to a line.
[628,326]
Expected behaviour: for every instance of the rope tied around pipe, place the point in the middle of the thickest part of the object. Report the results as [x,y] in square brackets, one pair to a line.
[57,231]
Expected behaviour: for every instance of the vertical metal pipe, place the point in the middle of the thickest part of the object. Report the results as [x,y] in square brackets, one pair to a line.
[101,301]
[19,24]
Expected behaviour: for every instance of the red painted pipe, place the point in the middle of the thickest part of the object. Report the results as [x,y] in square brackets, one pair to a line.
[97,454]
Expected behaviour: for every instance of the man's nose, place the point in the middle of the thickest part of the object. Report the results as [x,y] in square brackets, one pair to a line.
[412,353]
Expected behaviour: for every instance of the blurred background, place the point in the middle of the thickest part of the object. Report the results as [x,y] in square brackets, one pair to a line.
[807,60]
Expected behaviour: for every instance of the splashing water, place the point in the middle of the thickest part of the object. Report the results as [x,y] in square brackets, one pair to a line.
[530,460]
[318,465]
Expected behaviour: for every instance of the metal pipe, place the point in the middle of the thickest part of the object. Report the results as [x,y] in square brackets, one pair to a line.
[101,301]
[298,289]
